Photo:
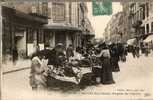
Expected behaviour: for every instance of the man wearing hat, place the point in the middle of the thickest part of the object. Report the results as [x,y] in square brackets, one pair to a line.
[55,54]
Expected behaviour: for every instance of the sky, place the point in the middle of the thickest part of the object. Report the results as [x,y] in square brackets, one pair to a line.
[99,22]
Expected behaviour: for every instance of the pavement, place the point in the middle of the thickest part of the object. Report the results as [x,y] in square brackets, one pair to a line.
[10,67]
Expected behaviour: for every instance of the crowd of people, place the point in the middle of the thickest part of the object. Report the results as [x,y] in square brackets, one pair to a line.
[137,50]
[103,59]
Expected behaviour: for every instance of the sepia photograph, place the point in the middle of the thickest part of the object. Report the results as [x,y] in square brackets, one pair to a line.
[76,50]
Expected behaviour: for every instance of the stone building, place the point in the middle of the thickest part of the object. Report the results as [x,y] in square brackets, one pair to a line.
[147,21]
[88,31]
[114,30]
[128,29]
[107,32]
[63,26]
[138,17]
[22,29]
[29,26]
[67,23]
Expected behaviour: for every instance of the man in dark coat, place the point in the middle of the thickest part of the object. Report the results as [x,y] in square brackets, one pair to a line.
[52,55]
[114,58]
[55,55]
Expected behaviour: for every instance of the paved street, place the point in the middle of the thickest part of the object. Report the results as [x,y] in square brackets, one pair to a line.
[135,75]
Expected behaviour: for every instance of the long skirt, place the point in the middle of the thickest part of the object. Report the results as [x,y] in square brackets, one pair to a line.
[96,74]
[115,65]
[106,76]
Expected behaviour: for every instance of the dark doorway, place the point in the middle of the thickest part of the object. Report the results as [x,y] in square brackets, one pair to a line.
[60,37]
[147,28]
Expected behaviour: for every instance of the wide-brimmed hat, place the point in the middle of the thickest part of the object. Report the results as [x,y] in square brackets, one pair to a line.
[59,45]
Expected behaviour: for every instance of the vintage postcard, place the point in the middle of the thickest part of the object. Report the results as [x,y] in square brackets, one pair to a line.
[76,49]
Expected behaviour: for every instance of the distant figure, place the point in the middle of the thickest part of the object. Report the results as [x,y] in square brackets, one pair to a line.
[133,51]
[15,55]
[137,50]
[147,49]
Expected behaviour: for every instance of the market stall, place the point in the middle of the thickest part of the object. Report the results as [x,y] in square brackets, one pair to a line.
[149,39]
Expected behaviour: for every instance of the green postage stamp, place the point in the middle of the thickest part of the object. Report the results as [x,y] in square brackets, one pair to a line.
[102,7]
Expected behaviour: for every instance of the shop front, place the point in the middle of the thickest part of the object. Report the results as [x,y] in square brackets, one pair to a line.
[62,34]
[22,33]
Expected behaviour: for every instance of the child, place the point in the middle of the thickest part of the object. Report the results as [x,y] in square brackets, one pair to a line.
[38,73]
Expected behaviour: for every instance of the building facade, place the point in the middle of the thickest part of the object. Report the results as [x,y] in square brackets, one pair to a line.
[138,19]
[67,24]
[63,25]
[22,30]
[107,32]
[30,26]
[114,29]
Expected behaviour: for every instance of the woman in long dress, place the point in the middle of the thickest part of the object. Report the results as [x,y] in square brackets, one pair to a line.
[106,72]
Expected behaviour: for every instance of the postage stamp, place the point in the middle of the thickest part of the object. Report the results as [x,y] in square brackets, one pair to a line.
[102,7]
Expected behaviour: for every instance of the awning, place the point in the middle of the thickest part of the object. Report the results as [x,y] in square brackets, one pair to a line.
[88,34]
[149,39]
[31,17]
[16,15]
[61,27]
[131,41]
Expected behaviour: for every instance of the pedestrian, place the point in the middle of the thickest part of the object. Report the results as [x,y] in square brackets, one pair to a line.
[120,48]
[55,55]
[133,51]
[15,55]
[137,50]
[114,58]
[106,72]
[124,53]
[146,49]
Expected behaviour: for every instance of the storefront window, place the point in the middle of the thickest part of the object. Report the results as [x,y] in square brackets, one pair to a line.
[40,37]
[30,36]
